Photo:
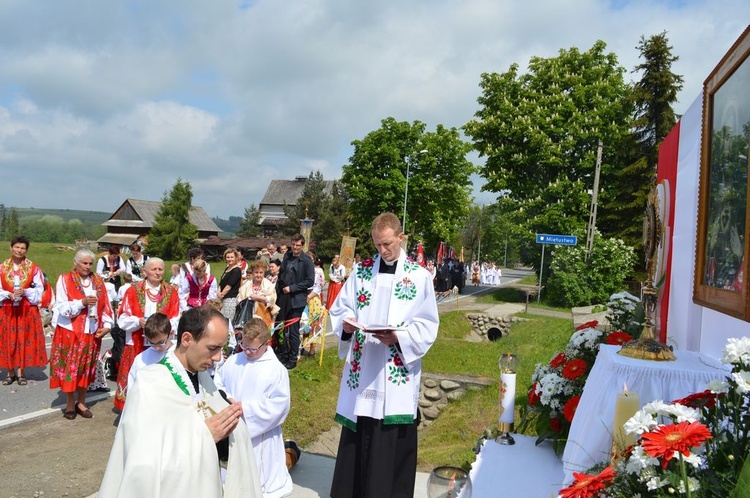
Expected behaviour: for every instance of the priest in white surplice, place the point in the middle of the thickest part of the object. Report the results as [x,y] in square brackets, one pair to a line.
[258,380]
[377,405]
[176,425]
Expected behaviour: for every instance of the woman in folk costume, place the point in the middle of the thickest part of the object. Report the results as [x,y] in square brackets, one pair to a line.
[261,291]
[336,276]
[83,315]
[21,330]
[379,391]
[198,286]
[142,300]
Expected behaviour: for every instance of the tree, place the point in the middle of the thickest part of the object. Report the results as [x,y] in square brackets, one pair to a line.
[653,117]
[172,233]
[545,125]
[439,179]
[540,131]
[11,226]
[332,224]
[309,205]
[249,225]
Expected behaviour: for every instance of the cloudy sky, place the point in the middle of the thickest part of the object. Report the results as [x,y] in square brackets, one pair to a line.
[101,101]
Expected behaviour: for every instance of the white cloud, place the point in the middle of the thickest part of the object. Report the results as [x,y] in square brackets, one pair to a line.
[99,102]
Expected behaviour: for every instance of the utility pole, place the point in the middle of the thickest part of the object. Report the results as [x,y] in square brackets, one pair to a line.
[594,198]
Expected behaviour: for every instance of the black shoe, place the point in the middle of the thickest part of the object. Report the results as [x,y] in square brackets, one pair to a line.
[290,365]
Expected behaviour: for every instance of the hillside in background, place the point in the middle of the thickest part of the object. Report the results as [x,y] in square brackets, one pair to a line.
[35,214]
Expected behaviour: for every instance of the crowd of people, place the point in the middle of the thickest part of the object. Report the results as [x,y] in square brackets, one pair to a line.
[202,367]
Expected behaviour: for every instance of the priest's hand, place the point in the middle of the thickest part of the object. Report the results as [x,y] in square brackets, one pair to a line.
[224,422]
[387,337]
[348,327]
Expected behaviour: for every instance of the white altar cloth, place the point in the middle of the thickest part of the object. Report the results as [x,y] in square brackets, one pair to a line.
[518,471]
[590,438]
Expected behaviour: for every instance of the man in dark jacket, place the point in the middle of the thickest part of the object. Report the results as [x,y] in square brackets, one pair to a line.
[295,279]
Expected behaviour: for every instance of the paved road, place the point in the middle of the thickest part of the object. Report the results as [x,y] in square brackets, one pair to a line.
[36,398]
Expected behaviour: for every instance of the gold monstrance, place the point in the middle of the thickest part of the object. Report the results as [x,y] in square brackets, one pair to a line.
[647,347]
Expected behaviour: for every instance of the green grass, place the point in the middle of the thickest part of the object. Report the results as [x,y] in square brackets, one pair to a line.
[450,438]
[514,295]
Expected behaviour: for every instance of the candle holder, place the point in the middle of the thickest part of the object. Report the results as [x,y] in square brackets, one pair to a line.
[508,365]
[448,482]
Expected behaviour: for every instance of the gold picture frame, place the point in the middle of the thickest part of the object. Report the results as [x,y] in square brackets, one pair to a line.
[721,266]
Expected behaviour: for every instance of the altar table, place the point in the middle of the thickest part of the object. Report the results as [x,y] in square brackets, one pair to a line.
[518,471]
[590,438]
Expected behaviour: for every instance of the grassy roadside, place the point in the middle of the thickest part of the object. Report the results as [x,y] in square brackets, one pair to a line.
[449,439]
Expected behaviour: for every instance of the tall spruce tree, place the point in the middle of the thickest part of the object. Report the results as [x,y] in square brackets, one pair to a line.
[625,197]
[172,233]
[249,224]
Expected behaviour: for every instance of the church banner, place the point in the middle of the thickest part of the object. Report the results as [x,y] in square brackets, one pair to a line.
[346,254]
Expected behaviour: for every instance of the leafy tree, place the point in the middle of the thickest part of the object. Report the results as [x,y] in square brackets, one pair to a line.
[172,233]
[334,222]
[540,131]
[626,196]
[248,226]
[438,174]
[545,125]
[11,226]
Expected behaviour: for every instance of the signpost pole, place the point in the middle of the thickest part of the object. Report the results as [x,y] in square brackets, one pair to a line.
[541,272]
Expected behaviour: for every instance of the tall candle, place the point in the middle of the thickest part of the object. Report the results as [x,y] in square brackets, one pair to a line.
[627,404]
[507,398]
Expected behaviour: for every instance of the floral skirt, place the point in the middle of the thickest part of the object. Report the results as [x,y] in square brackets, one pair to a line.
[128,357]
[73,360]
[21,336]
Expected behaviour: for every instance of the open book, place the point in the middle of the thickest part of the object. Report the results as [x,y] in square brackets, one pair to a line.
[370,328]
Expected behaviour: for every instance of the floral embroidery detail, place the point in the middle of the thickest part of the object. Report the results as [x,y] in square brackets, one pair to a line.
[363,298]
[397,373]
[354,365]
[23,272]
[405,290]
[364,269]
[410,265]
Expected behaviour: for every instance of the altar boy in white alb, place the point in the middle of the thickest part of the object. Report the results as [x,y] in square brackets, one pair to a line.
[377,405]
[258,380]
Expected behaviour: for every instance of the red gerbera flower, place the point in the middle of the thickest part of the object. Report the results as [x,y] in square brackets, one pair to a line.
[574,369]
[663,441]
[533,396]
[699,400]
[588,325]
[618,338]
[555,424]
[585,485]
[569,410]
[558,360]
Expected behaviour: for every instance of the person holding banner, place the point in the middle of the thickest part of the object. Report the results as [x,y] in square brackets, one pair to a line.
[377,405]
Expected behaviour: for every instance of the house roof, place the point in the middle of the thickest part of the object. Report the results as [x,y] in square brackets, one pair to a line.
[139,213]
[122,239]
[282,192]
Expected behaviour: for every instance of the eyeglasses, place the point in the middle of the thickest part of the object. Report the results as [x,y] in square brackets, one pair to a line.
[161,343]
[252,350]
